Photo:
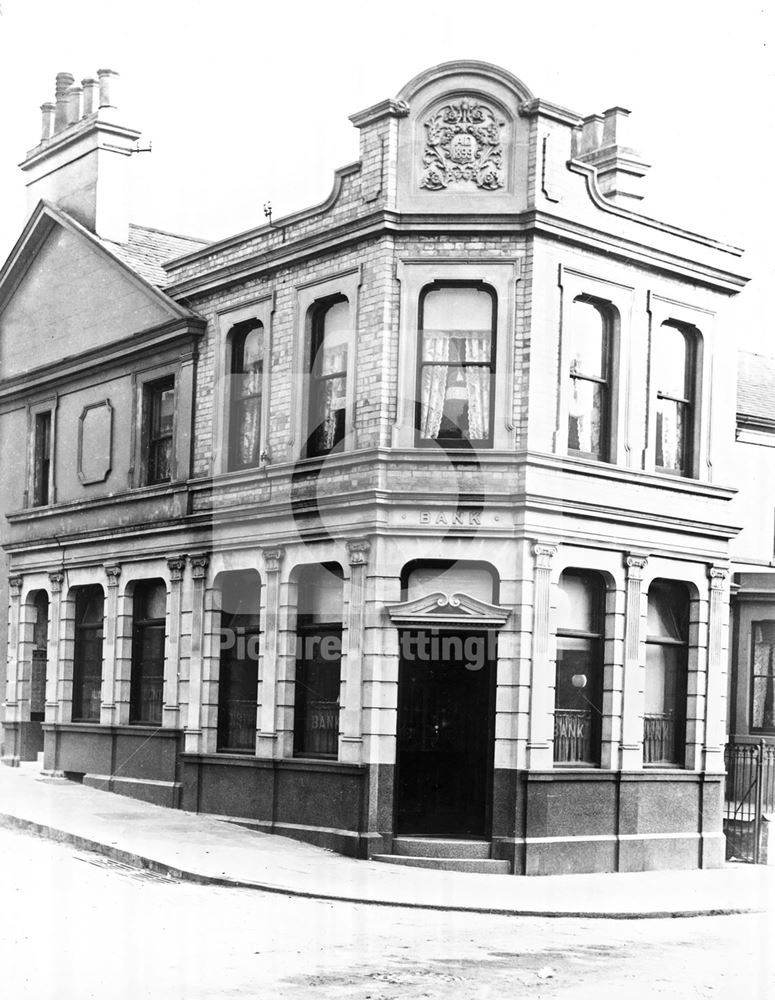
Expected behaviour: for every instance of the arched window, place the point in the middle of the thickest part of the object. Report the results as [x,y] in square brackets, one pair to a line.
[329,348]
[673,375]
[240,595]
[318,661]
[579,689]
[456,365]
[39,658]
[667,647]
[589,404]
[146,689]
[247,372]
[87,654]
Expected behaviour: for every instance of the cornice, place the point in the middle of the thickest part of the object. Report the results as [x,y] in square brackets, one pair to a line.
[106,356]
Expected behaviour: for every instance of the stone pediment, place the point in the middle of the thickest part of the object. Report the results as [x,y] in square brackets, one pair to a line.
[448,610]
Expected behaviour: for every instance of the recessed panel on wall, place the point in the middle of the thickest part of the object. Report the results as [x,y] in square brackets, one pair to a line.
[95,442]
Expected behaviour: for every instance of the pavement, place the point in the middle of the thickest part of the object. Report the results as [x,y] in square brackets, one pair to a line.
[216,851]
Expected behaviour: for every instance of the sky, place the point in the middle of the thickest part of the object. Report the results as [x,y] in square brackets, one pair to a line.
[248,102]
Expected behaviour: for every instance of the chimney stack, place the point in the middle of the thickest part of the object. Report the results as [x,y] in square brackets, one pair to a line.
[81,163]
[604,143]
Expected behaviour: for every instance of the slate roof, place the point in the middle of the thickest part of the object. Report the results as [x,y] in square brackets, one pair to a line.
[147,249]
[756,386]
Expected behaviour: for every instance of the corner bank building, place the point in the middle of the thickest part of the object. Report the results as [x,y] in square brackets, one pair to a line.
[404,516]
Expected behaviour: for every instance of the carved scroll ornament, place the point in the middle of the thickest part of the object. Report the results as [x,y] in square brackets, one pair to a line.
[463,146]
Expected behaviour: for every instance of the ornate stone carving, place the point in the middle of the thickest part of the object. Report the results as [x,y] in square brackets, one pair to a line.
[199,564]
[718,576]
[15,583]
[358,551]
[272,558]
[177,565]
[463,146]
[544,554]
[113,572]
[635,562]
[56,577]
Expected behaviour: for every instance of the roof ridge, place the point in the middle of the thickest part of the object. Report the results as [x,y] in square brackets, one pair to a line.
[167,232]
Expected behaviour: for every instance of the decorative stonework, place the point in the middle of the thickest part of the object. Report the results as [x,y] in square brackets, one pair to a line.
[448,609]
[358,551]
[15,583]
[718,576]
[176,565]
[56,579]
[635,563]
[113,572]
[463,146]
[544,554]
[199,565]
[273,558]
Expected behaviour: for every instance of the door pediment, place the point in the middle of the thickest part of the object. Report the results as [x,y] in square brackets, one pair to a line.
[446,611]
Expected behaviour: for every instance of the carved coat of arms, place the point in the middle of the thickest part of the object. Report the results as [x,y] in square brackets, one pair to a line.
[463,145]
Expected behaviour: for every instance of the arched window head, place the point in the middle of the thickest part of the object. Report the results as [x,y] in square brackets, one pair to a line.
[673,374]
[667,639]
[589,405]
[579,688]
[247,373]
[456,365]
[329,348]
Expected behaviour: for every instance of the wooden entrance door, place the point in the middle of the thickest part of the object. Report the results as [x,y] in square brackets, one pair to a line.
[445,736]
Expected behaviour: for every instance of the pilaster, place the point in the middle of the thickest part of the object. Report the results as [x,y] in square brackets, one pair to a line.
[59,700]
[109,646]
[631,748]
[351,722]
[539,748]
[266,738]
[193,728]
[715,678]
[13,671]
[171,712]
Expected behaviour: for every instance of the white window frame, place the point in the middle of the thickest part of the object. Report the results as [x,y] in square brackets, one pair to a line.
[414,274]
[699,322]
[260,309]
[346,283]
[49,404]
[617,301]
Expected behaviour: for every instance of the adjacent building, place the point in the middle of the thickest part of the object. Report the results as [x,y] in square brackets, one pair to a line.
[403,518]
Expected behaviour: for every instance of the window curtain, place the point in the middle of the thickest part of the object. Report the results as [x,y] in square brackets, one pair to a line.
[477,348]
[434,382]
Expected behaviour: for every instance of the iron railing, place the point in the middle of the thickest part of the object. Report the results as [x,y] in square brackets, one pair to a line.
[749,794]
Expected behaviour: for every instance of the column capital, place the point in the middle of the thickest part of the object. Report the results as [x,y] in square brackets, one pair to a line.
[15,583]
[718,576]
[635,563]
[544,553]
[177,565]
[56,577]
[113,572]
[199,564]
[273,558]
[358,551]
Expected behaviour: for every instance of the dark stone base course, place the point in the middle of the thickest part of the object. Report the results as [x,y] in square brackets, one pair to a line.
[543,822]
[320,802]
[23,741]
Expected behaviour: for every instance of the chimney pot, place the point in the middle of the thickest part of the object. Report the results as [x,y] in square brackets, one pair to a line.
[74,94]
[64,80]
[90,95]
[47,120]
[107,78]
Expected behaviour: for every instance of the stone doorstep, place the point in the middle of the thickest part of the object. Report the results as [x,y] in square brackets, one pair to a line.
[480,866]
